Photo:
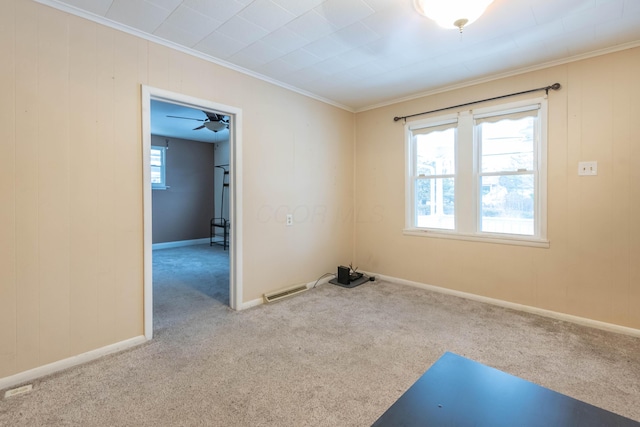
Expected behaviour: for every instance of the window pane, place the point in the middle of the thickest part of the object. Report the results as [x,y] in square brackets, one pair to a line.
[434,203]
[507,145]
[156,157]
[435,153]
[156,175]
[507,204]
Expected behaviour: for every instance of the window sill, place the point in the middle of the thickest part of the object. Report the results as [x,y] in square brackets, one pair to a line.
[502,240]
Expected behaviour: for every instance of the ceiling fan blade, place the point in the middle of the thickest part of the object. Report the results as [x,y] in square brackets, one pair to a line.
[187,118]
[213,116]
[199,127]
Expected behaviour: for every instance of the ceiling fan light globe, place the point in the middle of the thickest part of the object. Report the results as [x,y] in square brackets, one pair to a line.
[215,126]
[450,13]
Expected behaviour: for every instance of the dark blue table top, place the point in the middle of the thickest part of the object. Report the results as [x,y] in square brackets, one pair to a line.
[460,392]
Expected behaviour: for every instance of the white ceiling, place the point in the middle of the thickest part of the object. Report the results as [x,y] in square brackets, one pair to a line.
[362,53]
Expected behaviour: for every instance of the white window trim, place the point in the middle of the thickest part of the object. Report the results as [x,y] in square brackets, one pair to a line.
[467,226]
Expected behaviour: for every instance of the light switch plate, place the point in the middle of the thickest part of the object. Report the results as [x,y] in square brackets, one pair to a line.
[588,168]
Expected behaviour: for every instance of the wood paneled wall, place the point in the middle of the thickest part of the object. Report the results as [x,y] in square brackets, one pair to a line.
[592,269]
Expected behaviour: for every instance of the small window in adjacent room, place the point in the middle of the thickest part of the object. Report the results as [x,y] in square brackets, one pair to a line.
[158,164]
[479,174]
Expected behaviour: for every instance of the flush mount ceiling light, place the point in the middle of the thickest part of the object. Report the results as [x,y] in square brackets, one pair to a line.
[452,13]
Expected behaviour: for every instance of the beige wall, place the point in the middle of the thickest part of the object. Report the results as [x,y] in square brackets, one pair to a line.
[71,214]
[592,268]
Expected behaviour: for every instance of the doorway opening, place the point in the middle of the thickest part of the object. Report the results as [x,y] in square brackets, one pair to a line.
[233,117]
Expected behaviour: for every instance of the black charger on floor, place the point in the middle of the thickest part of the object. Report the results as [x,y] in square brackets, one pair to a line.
[344,278]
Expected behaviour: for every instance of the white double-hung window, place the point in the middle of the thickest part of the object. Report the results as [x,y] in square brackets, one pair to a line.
[158,168]
[479,174]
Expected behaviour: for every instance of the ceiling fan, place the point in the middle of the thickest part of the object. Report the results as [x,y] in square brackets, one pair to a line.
[214,122]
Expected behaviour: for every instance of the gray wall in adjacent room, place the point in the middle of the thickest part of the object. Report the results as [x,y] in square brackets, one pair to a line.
[183,211]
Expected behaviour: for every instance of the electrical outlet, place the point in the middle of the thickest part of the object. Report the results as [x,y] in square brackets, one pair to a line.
[289,220]
[588,168]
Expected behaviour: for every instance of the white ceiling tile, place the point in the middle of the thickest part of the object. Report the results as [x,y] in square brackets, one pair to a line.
[393,56]
[242,30]
[586,36]
[396,20]
[491,47]
[356,35]
[300,80]
[326,84]
[331,66]
[262,52]
[551,30]
[137,14]
[400,59]
[298,7]
[300,58]
[278,68]
[341,13]
[549,11]
[631,7]
[249,62]
[591,16]
[355,57]
[326,47]
[378,5]
[503,18]
[220,46]
[621,31]
[542,51]
[266,14]
[192,21]
[177,35]
[402,30]
[165,4]
[366,70]
[308,74]
[285,40]
[444,77]
[220,10]
[311,26]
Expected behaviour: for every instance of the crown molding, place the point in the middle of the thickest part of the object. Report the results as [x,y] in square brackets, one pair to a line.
[189,51]
[56,4]
[506,74]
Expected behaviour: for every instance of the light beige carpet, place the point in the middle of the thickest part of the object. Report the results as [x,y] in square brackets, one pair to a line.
[327,357]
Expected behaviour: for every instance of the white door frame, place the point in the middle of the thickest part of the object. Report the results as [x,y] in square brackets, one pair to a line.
[235,199]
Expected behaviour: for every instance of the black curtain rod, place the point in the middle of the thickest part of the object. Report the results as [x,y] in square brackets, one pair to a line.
[554,86]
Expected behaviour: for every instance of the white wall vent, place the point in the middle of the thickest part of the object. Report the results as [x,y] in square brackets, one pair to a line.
[284,293]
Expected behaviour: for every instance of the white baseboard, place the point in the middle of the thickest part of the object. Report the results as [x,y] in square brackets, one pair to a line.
[180,243]
[521,307]
[52,368]
[252,303]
